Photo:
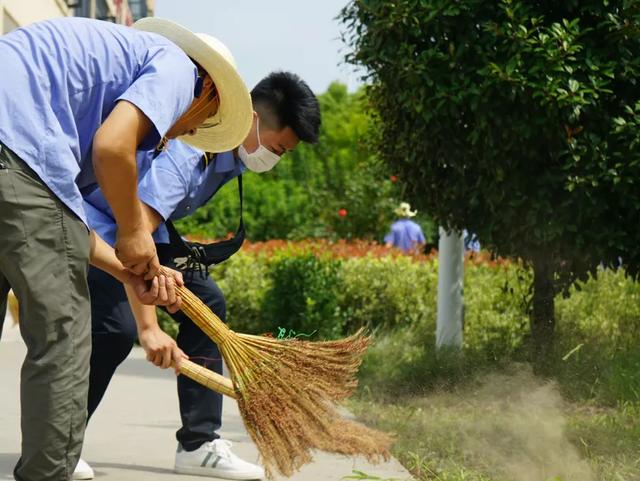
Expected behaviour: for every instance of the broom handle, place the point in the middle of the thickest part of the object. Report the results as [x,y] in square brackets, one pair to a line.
[217,330]
[198,312]
[207,378]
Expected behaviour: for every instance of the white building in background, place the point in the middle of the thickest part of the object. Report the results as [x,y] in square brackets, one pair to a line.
[18,13]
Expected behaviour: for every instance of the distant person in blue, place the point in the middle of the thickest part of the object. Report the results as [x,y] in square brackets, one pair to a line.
[405,234]
[471,241]
[78,99]
[172,186]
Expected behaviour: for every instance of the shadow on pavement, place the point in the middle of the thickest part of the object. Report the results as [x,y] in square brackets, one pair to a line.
[128,467]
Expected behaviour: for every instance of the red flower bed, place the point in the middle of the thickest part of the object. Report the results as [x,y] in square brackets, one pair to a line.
[343,249]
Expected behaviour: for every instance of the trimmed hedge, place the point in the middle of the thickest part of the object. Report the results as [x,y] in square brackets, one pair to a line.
[330,290]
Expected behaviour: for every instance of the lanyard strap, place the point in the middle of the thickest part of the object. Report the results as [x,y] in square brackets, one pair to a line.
[206,254]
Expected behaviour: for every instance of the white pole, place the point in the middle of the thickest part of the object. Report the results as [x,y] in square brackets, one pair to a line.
[450,286]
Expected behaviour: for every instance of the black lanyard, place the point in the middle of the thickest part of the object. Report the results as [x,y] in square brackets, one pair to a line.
[199,254]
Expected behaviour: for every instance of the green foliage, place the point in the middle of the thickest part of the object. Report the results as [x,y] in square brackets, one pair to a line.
[595,356]
[302,296]
[517,120]
[387,292]
[166,323]
[303,195]
[495,317]
[244,280]
[602,318]
[405,359]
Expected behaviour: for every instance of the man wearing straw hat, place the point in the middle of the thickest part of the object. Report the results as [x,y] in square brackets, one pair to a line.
[405,234]
[78,98]
[172,186]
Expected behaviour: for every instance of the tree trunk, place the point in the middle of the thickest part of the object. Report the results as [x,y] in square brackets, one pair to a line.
[543,318]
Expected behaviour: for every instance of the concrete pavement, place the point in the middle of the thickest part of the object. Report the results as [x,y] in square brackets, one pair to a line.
[131,436]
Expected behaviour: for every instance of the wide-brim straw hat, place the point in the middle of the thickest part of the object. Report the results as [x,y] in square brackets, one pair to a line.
[404,210]
[231,125]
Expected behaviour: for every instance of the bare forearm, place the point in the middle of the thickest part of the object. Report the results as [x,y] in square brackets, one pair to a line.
[144,315]
[103,257]
[118,179]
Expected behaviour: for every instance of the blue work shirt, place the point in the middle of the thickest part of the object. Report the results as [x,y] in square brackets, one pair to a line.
[174,184]
[405,234]
[61,78]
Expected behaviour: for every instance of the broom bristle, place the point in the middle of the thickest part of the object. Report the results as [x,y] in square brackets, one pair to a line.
[287,392]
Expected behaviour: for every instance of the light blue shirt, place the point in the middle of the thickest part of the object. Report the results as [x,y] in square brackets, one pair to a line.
[61,78]
[174,184]
[405,234]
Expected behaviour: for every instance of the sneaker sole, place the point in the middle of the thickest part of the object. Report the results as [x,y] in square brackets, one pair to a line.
[212,472]
[82,476]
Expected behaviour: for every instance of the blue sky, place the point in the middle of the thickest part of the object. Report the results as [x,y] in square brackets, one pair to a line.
[297,35]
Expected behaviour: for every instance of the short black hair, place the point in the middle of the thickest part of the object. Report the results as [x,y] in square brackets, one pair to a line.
[282,99]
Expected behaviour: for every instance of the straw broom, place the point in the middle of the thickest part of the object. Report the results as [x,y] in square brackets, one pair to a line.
[287,391]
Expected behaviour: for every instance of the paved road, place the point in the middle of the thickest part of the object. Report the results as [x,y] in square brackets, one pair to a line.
[131,436]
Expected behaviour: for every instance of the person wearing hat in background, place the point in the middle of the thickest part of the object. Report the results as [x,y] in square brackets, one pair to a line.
[78,98]
[172,186]
[405,234]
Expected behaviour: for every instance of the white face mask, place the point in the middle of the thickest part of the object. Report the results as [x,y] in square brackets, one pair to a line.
[262,159]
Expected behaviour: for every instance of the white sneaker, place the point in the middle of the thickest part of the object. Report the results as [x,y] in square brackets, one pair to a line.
[83,470]
[215,459]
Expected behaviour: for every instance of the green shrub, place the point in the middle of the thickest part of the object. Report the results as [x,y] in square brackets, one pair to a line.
[595,355]
[244,281]
[387,292]
[598,338]
[495,320]
[303,296]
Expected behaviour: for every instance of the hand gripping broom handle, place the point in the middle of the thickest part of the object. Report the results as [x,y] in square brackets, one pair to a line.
[213,327]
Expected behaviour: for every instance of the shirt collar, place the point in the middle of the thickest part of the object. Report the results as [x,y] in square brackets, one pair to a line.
[224,162]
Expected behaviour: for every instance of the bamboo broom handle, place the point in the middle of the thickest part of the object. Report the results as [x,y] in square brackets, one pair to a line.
[207,378]
[201,315]
[217,330]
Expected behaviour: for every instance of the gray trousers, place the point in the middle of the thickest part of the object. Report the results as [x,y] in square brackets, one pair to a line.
[44,253]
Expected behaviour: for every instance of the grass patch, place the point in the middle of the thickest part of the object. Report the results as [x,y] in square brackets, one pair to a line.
[508,426]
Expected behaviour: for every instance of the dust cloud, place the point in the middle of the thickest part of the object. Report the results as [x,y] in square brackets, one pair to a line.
[518,430]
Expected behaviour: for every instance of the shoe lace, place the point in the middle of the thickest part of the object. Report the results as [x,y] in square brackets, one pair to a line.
[221,447]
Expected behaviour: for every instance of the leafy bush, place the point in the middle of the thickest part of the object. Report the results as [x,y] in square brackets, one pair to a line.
[244,280]
[599,334]
[496,324]
[303,296]
[335,288]
[387,292]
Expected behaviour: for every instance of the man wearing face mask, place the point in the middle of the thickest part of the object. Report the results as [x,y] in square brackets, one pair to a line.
[172,185]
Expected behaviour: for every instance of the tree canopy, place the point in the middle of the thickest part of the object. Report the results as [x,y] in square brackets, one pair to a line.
[515,119]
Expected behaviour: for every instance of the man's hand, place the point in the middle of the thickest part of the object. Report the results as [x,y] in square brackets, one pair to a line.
[161,291]
[160,348]
[137,252]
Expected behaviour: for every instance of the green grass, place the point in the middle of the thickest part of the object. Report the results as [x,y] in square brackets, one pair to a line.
[508,426]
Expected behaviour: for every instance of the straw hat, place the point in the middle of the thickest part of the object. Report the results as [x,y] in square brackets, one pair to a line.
[235,114]
[404,210]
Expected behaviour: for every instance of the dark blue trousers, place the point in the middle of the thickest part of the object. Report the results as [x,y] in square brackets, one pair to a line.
[113,335]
